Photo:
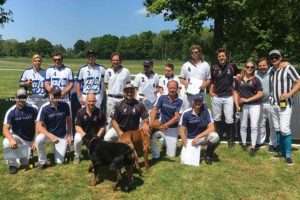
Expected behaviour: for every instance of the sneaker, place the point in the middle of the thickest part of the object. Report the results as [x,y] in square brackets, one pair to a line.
[12,170]
[289,161]
[272,149]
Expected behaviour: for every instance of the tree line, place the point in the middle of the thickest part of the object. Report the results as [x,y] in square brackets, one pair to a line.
[146,45]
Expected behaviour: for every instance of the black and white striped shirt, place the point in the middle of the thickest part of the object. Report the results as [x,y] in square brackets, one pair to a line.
[282,80]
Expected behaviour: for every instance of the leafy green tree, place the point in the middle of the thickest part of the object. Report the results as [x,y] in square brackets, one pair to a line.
[104,45]
[79,46]
[44,47]
[5,15]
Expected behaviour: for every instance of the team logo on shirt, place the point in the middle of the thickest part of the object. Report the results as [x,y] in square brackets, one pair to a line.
[133,110]
[95,118]
[54,74]
[189,69]
[89,73]
[84,117]
[125,109]
[143,79]
[228,71]
[109,74]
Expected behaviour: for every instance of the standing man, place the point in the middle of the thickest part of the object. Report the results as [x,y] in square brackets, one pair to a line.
[89,120]
[285,82]
[115,78]
[168,106]
[91,78]
[53,125]
[197,126]
[19,131]
[61,76]
[263,74]
[33,79]
[147,84]
[195,74]
[221,91]
[127,115]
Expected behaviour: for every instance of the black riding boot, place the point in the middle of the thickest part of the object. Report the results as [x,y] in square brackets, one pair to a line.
[211,147]
[230,135]
[219,125]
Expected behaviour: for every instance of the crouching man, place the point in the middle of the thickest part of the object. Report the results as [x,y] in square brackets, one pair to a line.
[197,126]
[89,120]
[19,132]
[53,125]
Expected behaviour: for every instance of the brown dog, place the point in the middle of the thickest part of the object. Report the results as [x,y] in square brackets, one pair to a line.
[140,142]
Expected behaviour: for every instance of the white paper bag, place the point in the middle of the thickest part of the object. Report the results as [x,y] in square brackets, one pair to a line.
[190,155]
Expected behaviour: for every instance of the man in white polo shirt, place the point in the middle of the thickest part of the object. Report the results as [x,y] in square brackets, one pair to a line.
[146,83]
[195,75]
[61,76]
[91,78]
[115,78]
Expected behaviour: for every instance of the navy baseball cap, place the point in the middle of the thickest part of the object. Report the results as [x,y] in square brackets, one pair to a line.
[197,97]
[56,91]
[148,63]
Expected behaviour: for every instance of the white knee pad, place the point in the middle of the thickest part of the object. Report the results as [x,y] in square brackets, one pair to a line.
[213,137]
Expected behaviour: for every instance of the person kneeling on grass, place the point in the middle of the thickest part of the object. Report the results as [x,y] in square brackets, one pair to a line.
[54,125]
[19,132]
[197,126]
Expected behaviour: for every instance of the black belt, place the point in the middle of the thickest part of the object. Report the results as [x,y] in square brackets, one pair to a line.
[117,96]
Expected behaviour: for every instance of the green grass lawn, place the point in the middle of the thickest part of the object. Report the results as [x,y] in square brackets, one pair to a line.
[12,68]
[236,176]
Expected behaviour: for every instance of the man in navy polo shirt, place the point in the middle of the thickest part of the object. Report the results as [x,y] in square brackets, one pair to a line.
[168,106]
[19,131]
[197,125]
[54,125]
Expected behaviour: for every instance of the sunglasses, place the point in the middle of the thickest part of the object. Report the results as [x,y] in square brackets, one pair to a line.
[250,67]
[274,57]
[21,97]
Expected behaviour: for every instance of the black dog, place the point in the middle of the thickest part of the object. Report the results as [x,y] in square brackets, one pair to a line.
[114,155]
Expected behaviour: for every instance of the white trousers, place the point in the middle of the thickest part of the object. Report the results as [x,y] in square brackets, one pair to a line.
[252,111]
[16,158]
[99,99]
[213,137]
[282,119]
[220,104]
[266,113]
[77,145]
[111,135]
[59,149]
[110,108]
[170,136]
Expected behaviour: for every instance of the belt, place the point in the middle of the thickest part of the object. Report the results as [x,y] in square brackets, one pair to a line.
[117,96]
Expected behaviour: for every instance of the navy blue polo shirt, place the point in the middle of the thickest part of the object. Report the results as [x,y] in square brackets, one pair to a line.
[168,108]
[22,121]
[195,123]
[54,118]
[249,88]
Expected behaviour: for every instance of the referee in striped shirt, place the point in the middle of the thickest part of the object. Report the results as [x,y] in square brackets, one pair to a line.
[285,82]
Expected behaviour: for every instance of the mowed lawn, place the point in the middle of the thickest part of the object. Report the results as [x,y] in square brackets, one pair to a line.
[236,176]
[12,68]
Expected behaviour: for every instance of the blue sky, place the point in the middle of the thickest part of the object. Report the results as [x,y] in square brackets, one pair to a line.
[66,21]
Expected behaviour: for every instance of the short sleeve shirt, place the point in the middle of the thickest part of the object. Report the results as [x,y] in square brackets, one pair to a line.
[128,115]
[54,118]
[90,124]
[249,88]
[91,78]
[168,108]
[116,80]
[222,78]
[195,123]
[22,121]
[38,80]
[200,71]
[59,76]
[147,85]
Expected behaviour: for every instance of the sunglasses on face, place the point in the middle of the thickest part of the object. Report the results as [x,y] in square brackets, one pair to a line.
[250,67]
[274,57]
[21,97]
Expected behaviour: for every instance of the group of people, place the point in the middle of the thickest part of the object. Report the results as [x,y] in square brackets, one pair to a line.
[166,106]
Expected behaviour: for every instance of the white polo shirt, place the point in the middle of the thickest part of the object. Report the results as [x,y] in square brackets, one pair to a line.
[147,85]
[91,78]
[200,71]
[38,79]
[116,80]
